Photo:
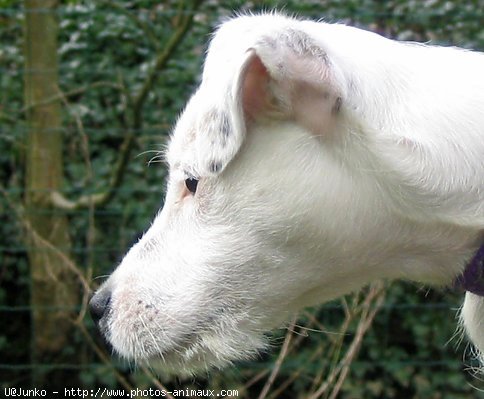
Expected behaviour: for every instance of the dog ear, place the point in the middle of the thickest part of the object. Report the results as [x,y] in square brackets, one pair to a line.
[289,78]
[284,76]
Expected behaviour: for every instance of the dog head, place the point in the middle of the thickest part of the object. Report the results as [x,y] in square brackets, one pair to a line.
[269,207]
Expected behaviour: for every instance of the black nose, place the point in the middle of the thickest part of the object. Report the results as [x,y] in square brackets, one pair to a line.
[99,304]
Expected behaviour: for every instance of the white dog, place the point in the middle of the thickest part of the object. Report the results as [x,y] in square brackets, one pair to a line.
[313,159]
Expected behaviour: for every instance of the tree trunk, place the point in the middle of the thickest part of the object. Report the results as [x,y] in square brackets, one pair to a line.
[53,290]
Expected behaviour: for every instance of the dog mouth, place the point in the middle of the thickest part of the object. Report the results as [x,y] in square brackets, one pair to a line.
[191,354]
[206,352]
[211,342]
[173,339]
[186,360]
[145,341]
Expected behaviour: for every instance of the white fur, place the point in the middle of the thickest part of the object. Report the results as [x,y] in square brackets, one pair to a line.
[328,157]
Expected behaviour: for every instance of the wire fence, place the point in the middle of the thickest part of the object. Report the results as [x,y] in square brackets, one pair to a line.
[107,53]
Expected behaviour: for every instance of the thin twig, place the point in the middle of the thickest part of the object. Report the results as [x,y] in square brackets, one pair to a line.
[10,119]
[89,179]
[149,33]
[184,21]
[337,344]
[280,359]
[256,378]
[67,94]
[103,356]
[365,322]
[57,199]
[156,382]
[42,242]
[319,350]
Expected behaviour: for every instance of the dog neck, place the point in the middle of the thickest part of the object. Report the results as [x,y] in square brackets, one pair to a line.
[472,279]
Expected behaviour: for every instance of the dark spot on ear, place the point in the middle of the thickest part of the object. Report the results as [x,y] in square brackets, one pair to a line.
[215,166]
[337,106]
[225,127]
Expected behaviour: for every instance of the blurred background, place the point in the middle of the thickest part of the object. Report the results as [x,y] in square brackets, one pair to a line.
[89,91]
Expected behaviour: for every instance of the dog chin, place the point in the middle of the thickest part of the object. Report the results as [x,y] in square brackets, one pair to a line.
[198,357]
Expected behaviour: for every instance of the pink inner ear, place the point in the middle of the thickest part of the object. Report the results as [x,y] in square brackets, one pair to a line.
[301,91]
[255,97]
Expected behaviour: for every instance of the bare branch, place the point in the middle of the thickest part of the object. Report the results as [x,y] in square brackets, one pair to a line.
[71,93]
[184,21]
[103,356]
[57,199]
[8,118]
[156,382]
[280,359]
[375,297]
[78,321]
[42,242]
[149,33]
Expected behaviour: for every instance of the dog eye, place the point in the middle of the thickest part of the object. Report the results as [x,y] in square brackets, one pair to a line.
[191,184]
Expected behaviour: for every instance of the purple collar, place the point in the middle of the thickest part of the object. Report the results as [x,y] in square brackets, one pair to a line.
[472,279]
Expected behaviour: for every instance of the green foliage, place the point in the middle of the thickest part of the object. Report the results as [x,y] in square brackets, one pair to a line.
[106,49]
